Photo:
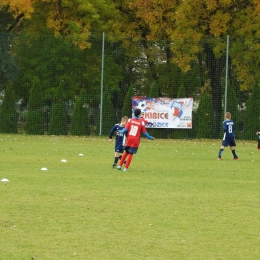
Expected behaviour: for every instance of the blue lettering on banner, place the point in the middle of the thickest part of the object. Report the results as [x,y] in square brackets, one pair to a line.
[159,124]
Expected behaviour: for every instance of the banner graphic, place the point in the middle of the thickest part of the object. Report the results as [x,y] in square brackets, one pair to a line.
[165,112]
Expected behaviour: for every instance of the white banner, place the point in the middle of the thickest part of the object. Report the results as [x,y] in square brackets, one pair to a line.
[165,112]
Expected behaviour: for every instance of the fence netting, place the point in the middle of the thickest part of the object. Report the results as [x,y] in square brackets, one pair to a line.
[50,86]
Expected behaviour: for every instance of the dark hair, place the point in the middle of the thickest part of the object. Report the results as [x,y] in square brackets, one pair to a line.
[137,112]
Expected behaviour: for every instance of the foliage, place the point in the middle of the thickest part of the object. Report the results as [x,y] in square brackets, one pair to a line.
[8,114]
[108,115]
[181,92]
[80,116]
[54,61]
[58,119]
[205,117]
[154,90]
[127,106]
[232,107]
[35,116]
[252,116]
[166,42]
[8,68]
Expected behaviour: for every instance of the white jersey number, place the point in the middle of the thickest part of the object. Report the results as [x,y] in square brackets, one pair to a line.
[133,130]
[230,129]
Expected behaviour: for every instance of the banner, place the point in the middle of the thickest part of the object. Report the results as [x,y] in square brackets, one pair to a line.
[165,112]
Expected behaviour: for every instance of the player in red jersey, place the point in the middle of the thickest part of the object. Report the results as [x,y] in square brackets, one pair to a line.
[134,128]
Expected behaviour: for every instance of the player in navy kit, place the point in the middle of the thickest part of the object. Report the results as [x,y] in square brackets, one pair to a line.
[119,145]
[258,144]
[229,137]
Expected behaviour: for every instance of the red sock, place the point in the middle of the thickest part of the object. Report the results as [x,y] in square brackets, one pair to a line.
[129,159]
[123,158]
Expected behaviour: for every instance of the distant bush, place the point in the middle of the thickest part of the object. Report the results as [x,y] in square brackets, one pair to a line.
[8,114]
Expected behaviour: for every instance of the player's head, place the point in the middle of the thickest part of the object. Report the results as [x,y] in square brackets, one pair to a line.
[137,112]
[124,120]
[228,115]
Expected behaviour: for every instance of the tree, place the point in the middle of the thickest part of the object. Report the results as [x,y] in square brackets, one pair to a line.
[70,19]
[108,115]
[127,107]
[80,116]
[198,29]
[8,68]
[205,118]
[252,115]
[154,90]
[35,116]
[58,119]
[8,114]
[232,107]
[181,92]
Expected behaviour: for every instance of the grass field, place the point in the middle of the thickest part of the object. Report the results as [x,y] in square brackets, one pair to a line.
[175,202]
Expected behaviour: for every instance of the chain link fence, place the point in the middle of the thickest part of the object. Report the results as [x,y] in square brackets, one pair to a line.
[54,85]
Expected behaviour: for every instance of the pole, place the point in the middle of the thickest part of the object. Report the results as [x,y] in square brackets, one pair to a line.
[226,80]
[101,84]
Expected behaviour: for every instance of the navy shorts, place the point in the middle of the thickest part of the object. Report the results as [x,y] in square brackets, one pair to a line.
[119,148]
[130,149]
[229,142]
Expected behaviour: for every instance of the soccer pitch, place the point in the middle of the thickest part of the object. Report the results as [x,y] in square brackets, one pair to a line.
[175,202]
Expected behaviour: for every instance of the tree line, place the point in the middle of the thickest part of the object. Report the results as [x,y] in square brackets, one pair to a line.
[162,43]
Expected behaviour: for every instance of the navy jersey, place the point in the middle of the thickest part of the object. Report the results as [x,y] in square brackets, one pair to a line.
[229,129]
[120,138]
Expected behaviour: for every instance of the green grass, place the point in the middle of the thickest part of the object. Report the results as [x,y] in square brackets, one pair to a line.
[175,202]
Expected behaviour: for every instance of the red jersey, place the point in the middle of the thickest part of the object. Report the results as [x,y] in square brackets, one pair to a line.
[135,127]
[145,121]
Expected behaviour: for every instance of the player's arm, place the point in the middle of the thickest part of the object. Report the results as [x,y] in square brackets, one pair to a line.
[143,129]
[148,136]
[123,131]
[224,126]
[112,132]
[147,122]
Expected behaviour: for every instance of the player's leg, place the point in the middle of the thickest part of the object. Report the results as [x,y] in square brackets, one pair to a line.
[129,159]
[131,151]
[234,153]
[123,158]
[221,151]
[119,149]
[232,146]
[117,157]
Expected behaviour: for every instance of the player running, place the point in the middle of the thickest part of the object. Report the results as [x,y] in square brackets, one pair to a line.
[134,128]
[120,139]
[229,137]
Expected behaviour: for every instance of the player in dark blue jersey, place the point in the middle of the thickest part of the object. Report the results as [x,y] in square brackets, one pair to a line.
[229,137]
[120,139]
[258,144]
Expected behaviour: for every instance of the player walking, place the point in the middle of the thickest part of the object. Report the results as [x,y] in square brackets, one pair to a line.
[120,139]
[229,137]
[134,128]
